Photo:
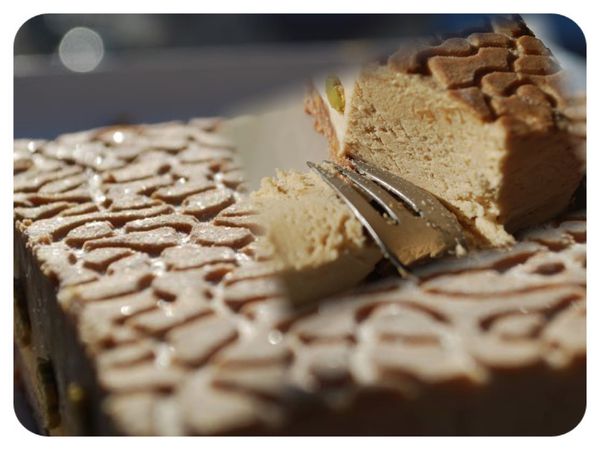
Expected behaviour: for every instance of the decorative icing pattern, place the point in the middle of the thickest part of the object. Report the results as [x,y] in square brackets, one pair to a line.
[502,72]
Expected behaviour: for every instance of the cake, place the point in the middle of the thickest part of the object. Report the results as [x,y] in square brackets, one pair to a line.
[318,247]
[482,121]
[145,305]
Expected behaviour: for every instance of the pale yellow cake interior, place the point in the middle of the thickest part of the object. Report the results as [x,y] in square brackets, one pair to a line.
[319,247]
[491,176]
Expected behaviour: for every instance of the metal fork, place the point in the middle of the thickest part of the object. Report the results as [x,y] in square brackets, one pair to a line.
[407,223]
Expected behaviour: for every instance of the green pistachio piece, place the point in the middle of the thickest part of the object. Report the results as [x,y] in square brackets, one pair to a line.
[335,93]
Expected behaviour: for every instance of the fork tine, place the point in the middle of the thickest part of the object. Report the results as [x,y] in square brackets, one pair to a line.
[419,200]
[376,193]
[368,216]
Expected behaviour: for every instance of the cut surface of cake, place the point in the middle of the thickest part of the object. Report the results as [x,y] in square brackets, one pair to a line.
[318,245]
[480,121]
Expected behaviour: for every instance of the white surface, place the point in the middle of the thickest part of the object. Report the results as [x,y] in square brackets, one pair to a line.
[282,139]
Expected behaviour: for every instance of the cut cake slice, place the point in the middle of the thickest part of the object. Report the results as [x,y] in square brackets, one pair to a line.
[481,121]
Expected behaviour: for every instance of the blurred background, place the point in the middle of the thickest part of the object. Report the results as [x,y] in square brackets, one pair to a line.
[73,72]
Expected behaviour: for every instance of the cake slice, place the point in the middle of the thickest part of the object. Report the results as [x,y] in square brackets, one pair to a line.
[318,245]
[481,121]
